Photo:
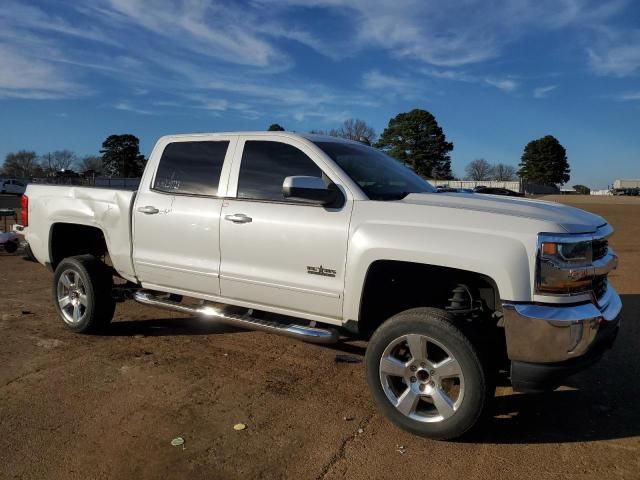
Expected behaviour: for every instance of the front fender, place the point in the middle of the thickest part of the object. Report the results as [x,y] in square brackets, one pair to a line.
[505,259]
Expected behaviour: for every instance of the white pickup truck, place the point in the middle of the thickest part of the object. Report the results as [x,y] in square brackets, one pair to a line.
[323,239]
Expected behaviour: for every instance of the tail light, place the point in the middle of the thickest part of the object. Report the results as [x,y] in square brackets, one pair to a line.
[24,213]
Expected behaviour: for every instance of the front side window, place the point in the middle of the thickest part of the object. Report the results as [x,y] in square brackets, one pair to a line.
[380,176]
[191,168]
[265,165]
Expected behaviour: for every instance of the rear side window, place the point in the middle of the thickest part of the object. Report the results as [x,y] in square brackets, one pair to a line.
[265,165]
[191,168]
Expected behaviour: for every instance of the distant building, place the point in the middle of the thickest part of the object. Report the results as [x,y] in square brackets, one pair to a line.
[626,187]
[624,184]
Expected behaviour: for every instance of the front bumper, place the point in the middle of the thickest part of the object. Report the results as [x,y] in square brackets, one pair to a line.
[546,343]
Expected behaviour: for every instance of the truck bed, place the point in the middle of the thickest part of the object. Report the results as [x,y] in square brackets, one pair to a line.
[103,208]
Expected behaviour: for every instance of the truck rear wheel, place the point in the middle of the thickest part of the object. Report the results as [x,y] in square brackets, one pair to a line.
[82,293]
[426,375]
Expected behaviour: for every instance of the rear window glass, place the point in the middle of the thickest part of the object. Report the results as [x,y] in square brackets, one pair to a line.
[191,168]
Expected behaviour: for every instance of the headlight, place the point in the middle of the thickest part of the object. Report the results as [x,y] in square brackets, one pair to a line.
[564,265]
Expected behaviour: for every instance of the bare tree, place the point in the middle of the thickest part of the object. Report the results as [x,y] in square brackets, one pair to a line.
[353,129]
[91,163]
[503,172]
[59,160]
[479,169]
[22,164]
[356,129]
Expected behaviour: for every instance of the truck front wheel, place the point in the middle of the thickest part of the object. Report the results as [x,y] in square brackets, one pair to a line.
[82,293]
[426,375]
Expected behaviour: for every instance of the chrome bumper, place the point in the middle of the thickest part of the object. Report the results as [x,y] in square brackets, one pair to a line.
[554,333]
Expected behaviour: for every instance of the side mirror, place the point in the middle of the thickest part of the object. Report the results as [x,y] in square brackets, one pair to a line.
[310,189]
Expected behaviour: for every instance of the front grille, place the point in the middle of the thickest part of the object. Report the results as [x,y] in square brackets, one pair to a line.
[600,248]
[600,286]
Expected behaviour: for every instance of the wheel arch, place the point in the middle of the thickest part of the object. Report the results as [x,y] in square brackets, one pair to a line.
[72,239]
[411,284]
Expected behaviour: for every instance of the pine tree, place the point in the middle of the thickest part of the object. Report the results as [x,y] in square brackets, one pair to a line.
[416,139]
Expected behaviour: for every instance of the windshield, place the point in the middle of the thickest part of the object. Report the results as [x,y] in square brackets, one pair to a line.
[379,176]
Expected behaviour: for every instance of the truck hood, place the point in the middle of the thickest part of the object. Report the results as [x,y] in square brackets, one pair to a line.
[570,219]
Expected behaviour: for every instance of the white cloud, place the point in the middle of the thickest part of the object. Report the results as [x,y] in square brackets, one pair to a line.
[206,28]
[218,105]
[324,115]
[284,30]
[25,78]
[412,28]
[215,104]
[628,96]
[542,92]
[227,56]
[172,47]
[450,75]
[376,80]
[127,107]
[32,18]
[617,53]
[452,34]
[504,84]
[309,95]
[391,86]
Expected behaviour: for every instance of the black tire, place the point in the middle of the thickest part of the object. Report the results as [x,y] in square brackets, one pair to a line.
[11,246]
[477,383]
[96,284]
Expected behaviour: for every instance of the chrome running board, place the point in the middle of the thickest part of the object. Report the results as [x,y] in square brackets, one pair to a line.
[301,332]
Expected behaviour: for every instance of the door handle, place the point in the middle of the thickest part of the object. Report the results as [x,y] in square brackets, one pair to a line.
[148,209]
[238,218]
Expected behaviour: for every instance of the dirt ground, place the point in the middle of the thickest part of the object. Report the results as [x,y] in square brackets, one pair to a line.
[83,407]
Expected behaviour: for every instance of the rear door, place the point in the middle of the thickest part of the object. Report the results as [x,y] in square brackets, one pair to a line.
[176,217]
[276,252]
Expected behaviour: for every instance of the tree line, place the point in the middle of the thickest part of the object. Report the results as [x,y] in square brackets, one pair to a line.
[414,138]
[544,162]
[479,169]
[119,157]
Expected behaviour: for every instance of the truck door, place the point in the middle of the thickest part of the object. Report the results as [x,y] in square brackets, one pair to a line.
[277,252]
[176,217]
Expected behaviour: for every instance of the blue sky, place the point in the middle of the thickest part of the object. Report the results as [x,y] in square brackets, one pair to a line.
[496,74]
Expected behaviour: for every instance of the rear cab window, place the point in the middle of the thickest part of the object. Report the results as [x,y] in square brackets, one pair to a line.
[191,168]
